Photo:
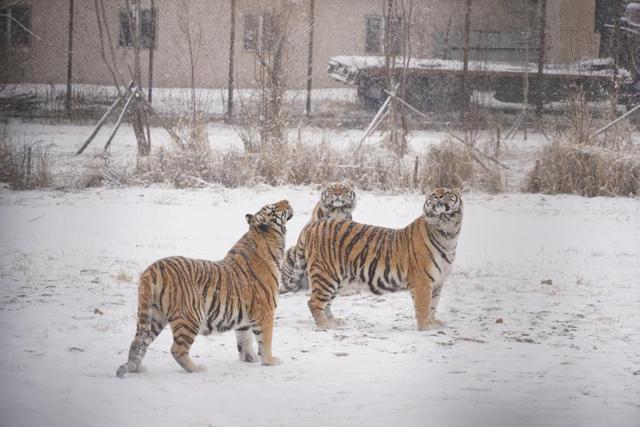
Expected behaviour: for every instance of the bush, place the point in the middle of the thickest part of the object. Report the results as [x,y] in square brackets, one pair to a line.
[587,171]
[577,163]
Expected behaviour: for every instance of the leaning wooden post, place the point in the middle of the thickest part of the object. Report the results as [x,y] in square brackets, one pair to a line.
[312,5]
[101,122]
[119,121]
[70,58]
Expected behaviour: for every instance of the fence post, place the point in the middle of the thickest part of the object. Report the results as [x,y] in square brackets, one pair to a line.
[70,58]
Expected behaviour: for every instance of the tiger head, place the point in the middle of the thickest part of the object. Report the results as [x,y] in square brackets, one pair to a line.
[338,196]
[442,201]
[273,216]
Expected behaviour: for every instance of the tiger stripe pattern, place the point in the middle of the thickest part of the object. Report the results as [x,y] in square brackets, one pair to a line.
[337,201]
[197,296]
[418,257]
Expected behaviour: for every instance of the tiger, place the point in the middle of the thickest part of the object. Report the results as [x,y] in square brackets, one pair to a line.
[337,201]
[418,257]
[196,296]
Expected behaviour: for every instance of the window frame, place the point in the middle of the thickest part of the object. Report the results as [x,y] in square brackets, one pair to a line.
[10,29]
[264,35]
[149,38]
[375,44]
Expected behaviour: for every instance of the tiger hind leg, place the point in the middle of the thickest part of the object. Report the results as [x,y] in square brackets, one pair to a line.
[145,334]
[184,334]
[245,345]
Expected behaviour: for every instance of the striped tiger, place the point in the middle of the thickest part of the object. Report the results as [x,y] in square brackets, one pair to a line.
[417,257]
[199,296]
[337,201]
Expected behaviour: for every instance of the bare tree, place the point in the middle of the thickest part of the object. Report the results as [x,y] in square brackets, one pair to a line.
[140,120]
[397,17]
[269,41]
[193,36]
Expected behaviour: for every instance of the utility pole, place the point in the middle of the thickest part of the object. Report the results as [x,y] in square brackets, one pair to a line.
[232,42]
[70,58]
[542,28]
[312,4]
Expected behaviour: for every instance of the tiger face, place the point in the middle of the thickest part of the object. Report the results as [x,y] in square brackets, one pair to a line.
[271,216]
[338,196]
[442,202]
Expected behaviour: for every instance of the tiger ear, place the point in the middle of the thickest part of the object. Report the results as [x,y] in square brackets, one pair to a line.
[249,218]
[456,191]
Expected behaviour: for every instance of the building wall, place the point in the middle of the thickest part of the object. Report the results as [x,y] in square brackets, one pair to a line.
[339,30]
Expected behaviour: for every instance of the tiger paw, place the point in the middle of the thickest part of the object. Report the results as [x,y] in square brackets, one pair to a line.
[199,368]
[337,322]
[249,357]
[432,324]
[273,361]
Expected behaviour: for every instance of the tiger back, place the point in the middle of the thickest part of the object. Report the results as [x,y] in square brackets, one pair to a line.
[337,201]
[417,257]
[200,297]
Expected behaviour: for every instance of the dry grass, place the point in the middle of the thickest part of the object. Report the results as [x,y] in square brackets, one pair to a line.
[587,171]
[453,164]
[294,163]
[449,164]
[577,163]
[24,165]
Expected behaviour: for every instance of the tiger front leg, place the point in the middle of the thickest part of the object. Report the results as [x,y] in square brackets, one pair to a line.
[263,333]
[435,299]
[245,345]
[421,295]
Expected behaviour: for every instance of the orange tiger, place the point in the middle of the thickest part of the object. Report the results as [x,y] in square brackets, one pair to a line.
[199,296]
[337,201]
[417,257]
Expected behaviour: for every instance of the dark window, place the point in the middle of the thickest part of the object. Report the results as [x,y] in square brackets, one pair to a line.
[260,32]
[270,32]
[375,35]
[395,35]
[147,28]
[15,26]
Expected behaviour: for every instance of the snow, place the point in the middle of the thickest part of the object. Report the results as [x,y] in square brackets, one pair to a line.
[566,352]
[588,67]
[171,101]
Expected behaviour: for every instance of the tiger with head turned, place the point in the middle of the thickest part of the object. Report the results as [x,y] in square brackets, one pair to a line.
[337,201]
[200,296]
[417,257]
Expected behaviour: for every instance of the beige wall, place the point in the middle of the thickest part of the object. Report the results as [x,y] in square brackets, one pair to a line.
[339,30]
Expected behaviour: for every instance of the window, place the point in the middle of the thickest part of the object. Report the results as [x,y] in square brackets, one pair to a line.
[147,28]
[260,32]
[15,25]
[375,34]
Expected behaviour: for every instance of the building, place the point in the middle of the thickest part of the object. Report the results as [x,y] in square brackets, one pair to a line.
[351,27]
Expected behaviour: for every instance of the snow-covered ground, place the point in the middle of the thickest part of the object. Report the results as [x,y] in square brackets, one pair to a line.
[562,273]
